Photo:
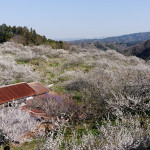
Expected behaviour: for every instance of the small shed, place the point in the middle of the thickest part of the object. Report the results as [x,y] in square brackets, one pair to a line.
[15,92]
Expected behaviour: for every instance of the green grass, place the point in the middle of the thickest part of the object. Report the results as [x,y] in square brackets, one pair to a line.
[60,89]
[22,61]
[77,96]
[54,64]
[26,146]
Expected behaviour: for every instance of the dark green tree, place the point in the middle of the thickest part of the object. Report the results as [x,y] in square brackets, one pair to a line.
[5,33]
[25,36]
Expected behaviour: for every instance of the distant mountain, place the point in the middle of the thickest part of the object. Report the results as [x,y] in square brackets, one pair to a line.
[137,44]
[130,38]
[136,37]
[119,47]
[140,50]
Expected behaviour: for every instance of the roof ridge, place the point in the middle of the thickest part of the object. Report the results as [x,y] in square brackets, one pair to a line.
[12,84]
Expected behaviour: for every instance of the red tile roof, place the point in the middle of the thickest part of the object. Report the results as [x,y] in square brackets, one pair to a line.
[38,87]
[15,91]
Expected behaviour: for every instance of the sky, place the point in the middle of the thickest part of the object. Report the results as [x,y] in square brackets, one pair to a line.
[78,19]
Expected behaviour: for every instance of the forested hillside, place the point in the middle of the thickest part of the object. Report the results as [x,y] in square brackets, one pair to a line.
[129,38]
[28,37]
[137,44]
[140,50]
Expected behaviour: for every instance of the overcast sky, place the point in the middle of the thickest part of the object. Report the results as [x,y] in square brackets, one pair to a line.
[65,19]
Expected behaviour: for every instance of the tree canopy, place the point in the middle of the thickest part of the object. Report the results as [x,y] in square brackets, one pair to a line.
[28,37]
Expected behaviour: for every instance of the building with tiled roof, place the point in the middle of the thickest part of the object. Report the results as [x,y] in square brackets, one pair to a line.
[21,92]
